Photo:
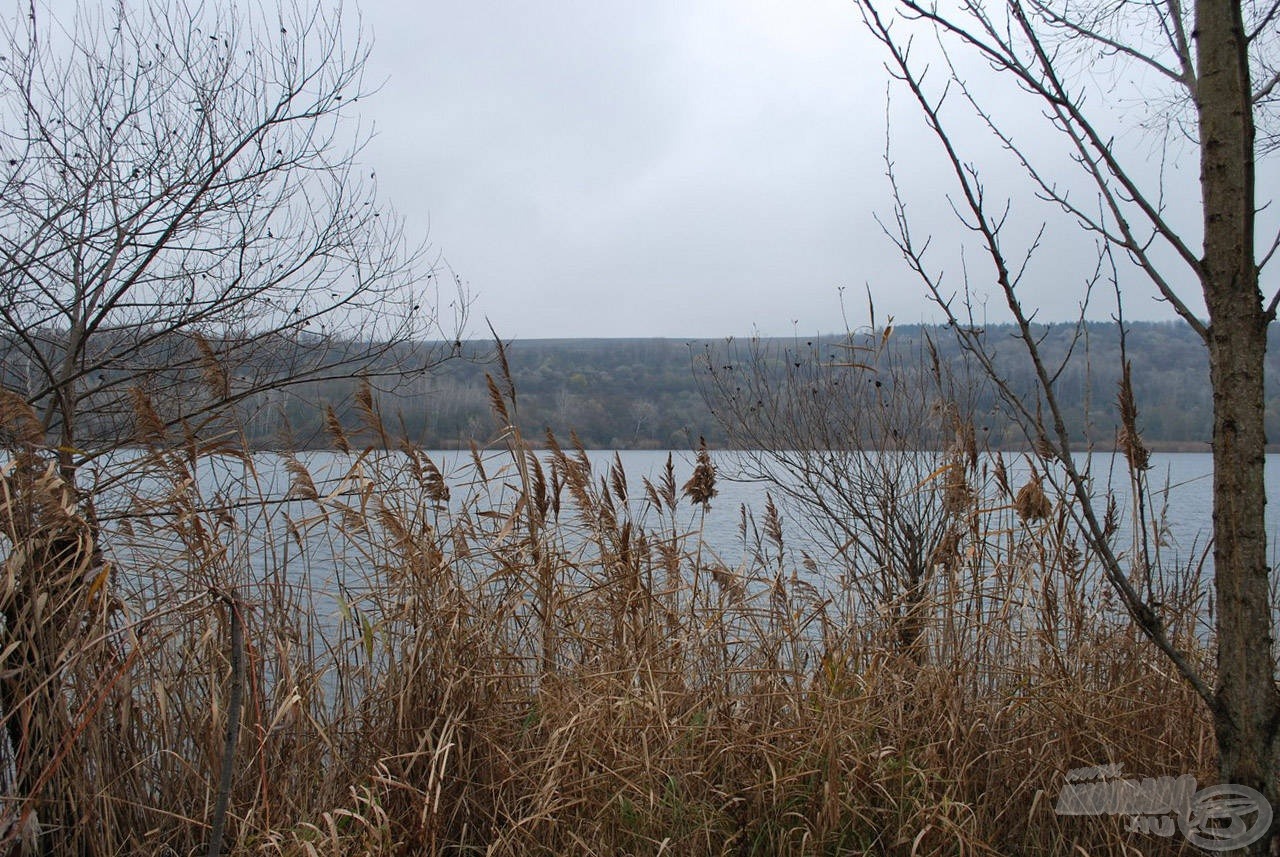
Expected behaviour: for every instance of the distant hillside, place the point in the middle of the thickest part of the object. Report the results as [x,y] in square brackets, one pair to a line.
[614,393]
[644,393]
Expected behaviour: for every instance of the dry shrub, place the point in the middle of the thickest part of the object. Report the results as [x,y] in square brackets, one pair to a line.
[436,667]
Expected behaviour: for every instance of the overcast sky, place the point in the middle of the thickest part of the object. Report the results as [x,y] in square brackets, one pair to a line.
[672,168]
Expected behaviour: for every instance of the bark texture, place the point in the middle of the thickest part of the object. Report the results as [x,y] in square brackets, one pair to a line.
[1247,709]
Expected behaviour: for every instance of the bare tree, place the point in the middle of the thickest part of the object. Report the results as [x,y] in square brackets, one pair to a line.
[184,221]
[871,445]
[1211,71]
[185,226]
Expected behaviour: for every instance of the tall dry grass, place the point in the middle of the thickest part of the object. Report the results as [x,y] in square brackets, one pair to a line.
[540,658]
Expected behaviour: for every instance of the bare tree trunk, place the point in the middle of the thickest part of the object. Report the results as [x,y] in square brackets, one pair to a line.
[1247,710]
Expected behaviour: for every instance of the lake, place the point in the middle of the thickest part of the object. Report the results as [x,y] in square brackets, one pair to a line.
[292,555]
[1183,480]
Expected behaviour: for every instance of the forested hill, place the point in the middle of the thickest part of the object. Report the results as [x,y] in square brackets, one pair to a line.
[645,393]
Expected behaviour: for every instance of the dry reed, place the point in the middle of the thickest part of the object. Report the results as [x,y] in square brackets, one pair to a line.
[527,664]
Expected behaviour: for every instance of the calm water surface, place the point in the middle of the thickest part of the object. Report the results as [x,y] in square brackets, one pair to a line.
[1183,480]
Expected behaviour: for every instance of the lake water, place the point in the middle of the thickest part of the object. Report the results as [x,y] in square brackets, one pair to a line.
[288,545]
[1183,481]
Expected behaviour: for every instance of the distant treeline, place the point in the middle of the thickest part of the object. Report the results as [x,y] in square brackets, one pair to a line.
[647,393]
[611,393]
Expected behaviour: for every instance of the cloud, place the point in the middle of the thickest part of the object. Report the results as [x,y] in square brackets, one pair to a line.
[693,168]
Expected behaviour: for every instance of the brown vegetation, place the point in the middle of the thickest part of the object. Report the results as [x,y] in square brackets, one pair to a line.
[542,663]
[1215,82]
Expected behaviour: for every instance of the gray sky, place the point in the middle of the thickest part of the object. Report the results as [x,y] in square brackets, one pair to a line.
[690,168]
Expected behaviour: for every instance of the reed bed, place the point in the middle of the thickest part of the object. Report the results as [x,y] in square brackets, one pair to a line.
[543,659]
